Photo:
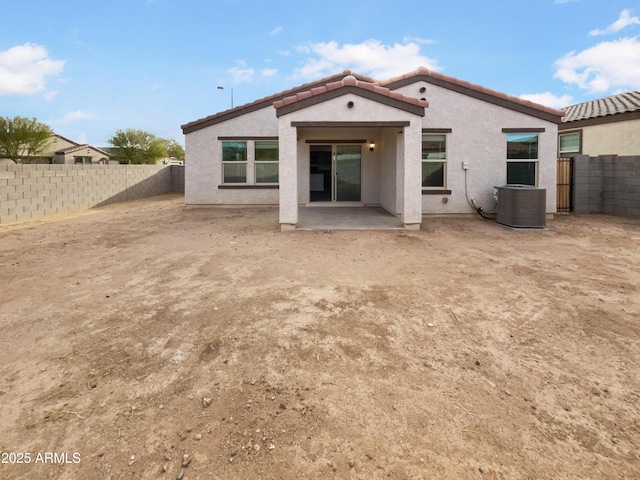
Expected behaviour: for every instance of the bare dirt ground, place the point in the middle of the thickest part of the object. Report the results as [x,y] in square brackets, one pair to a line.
[136,334]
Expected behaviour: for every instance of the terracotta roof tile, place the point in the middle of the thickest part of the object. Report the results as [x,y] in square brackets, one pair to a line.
[265,102]
[602,107]
[384,88]
[445,79]
[349,81]
[76,148]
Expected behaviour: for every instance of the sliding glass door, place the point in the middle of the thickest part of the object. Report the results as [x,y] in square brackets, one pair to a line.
[335,173]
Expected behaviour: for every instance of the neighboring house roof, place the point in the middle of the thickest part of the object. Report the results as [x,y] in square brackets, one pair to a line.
[476,91]
[78,147]
[349,84]
[422,73]
[64,138]
[602,109]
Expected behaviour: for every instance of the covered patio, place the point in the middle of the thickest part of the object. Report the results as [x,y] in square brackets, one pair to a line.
[347,218]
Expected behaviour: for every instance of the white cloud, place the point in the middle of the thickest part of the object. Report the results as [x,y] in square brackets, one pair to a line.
[607,66]
[275,31]
[50,95]
[548,99]
[422,41]
[623,21]
[24,68]
[565,1]
[370,57]
[241,75]
[74,116]
[269,72]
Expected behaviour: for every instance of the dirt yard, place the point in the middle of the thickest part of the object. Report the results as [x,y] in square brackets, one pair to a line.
[146,341]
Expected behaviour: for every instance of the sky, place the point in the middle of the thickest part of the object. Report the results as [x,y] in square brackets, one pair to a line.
[88,68]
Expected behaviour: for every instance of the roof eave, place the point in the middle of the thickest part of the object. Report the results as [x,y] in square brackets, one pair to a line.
[264,102]
[339,92]
[485,94]
[600,120]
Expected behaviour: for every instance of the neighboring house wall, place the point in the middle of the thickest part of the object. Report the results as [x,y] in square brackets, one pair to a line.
[60,150]
[616,138]
[607,184]
[32,191]
[57,143]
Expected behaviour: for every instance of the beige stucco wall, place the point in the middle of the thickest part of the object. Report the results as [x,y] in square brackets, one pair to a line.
[617,138]
[477,138]
[57,143]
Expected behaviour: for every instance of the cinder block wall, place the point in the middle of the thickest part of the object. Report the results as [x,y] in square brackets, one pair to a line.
[177,178]
[33,191]
[607,184]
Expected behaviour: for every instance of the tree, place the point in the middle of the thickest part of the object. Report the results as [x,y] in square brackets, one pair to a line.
[22,138]
[137,146]
[174,149]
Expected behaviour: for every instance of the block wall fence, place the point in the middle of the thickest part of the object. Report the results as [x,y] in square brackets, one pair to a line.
[607,184]
[33,191]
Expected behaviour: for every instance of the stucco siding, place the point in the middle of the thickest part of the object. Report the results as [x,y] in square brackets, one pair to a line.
[477,138]
[391,173]
[388,171]
[617,138]
[375,165]
[204,161]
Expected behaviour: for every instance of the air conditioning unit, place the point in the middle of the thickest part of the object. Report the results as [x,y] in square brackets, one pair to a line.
[522,206]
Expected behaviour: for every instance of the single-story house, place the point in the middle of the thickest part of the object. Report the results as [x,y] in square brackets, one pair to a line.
[67,151]
[606,126]
[419,144]
[62,150]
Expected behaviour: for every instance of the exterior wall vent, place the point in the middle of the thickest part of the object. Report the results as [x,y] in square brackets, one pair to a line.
[522,206]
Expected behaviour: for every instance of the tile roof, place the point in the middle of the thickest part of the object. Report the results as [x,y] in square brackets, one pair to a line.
[266,101]
[355,84]
[477,91]
[603,107]
[421,73]
[77,147]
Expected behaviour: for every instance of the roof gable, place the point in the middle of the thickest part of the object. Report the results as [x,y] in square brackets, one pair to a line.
[78,147]
[265,102]
[476,91]
[371,88]
[349,84]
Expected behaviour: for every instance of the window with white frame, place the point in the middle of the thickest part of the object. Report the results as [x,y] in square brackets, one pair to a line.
[434,161]
[569,143]
[82,160]
[266,161]
[522,158]
[234,162]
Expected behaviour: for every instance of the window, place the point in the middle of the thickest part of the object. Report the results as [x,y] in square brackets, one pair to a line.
[434,156]
[569,143]
[266,161]
[82,160]
[522,150]
[234,162]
